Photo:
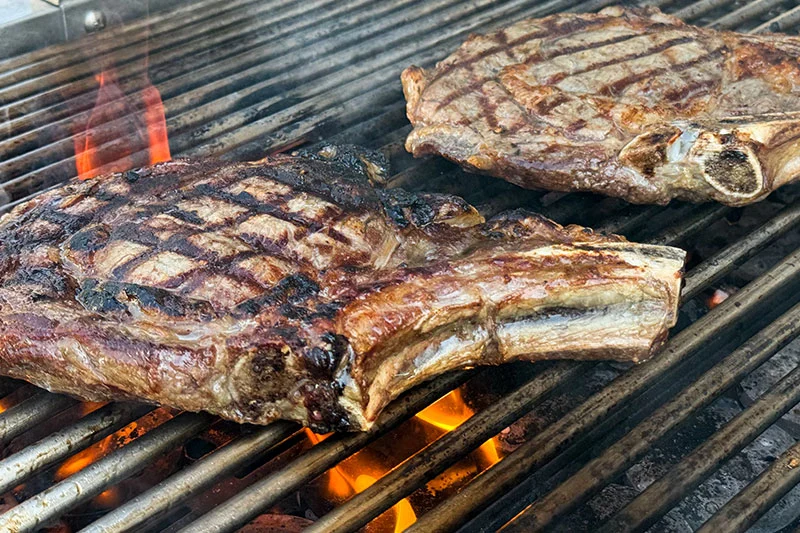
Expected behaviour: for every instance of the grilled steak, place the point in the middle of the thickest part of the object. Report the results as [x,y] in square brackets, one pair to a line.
[291,288]
[634,104]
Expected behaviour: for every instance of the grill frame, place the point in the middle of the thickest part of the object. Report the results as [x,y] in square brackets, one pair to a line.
[362,102]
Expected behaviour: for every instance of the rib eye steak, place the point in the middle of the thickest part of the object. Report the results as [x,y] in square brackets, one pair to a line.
[629,103]
[291,288]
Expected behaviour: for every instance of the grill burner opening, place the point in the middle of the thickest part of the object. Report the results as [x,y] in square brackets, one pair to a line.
[703,438]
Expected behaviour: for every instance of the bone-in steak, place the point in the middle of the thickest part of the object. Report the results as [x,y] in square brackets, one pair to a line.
[291,288]
[634,104]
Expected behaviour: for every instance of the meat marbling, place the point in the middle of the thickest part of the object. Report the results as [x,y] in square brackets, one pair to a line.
[291,288]
[629,103]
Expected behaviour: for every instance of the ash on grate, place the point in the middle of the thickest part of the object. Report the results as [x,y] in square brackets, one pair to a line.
[737,473]
[711,495]
[767,375]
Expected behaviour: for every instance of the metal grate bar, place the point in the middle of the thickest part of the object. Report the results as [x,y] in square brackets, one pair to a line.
[443,453]
[95,478]
[744,509]
[659,497]
[546,445]
[627,450]
[375,79]
[700,8]
[20,68]
[36,93]
[254,500]
[745,13]
[726,260]
[630,219]
[41,128]
[31,412]
[61,444]
[191,480]
[701,218]
[53,139]
[782,22]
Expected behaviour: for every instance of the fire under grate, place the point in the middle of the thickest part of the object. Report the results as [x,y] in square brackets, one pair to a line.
[703,437]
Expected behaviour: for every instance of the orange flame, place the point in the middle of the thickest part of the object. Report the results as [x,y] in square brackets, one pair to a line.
[449,412]
[123,131]
[5,403]
[356,475]
[96,451]
[110,497]
[360,471]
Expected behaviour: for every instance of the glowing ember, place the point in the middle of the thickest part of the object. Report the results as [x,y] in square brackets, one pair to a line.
[96,451]
[5,403]
[356,475]
[123,131]
[108,498]
[113,496]
[717,298]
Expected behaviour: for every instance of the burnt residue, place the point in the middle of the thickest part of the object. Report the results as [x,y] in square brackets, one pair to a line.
[99,298]
[321,400]
[131,176]
[321,361]
[405,208]
[44,282]
[89,239]
[186,216]
[105,297]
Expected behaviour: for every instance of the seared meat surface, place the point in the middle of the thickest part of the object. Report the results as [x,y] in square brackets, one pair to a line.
[629,103]
[291,288]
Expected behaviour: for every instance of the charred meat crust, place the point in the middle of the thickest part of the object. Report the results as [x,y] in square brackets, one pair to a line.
[630,103]
[291,288]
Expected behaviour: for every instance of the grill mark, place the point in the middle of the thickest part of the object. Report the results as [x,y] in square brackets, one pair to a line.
[179,244]
[338,236]
[555,54]
[233,271]
[489,110]
[247,200]
[561,76]
[122,270]
[677,95]
[575,126]
[545,107]
[195,278]
[619,85]
[274,249]
[185,216]
[572,26]
[136,233]
[68,223]
[518,126]
[464,90]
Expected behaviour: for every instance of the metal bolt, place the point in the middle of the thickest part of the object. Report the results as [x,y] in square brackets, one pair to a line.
[94,21]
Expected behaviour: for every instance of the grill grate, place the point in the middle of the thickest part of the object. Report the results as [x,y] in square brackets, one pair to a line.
[242,78]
